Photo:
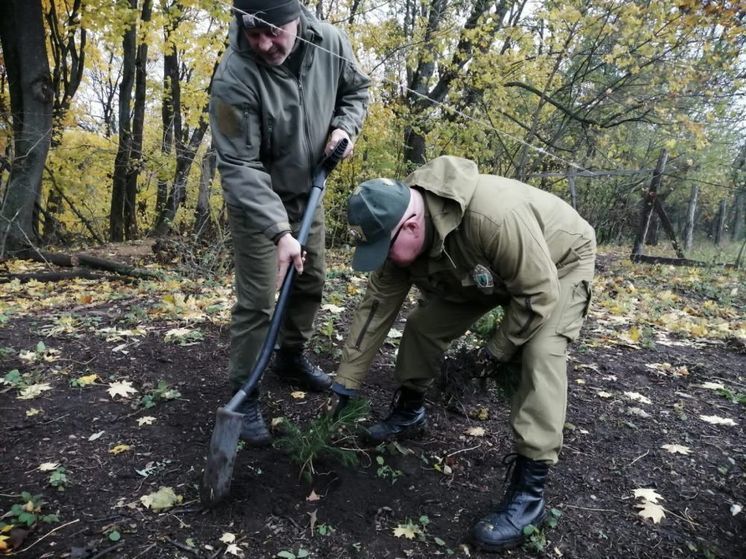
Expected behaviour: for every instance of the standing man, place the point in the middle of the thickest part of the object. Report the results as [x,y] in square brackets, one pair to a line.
[472,242]
[287,91]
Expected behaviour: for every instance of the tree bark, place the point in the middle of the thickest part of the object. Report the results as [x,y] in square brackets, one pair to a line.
[648,204]
[720,223]
[30,87]
[691,211]
[122,159]
[206,177]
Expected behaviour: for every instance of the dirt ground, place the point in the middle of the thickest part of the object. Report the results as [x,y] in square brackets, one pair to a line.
[629,395]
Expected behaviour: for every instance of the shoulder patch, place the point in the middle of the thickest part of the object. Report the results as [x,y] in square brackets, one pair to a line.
[228,119]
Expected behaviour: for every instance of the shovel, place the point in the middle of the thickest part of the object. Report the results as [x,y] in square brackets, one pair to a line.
[221,457]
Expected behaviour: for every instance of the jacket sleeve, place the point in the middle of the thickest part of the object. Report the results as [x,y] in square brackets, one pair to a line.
[352,93]
[519,254]
[237,136]
[387,289]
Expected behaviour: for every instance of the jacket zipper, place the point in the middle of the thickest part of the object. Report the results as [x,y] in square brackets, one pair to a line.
[373,309]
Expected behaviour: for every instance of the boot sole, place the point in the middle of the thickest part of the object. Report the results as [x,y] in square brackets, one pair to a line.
[504,546]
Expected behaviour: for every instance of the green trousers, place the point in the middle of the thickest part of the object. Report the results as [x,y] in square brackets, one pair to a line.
[539,405]
[255,262]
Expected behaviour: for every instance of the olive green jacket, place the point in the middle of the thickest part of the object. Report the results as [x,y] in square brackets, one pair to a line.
[496,241]
[269,126]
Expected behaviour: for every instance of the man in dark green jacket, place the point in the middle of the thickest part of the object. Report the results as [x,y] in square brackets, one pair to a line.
[286,92]
[470,243]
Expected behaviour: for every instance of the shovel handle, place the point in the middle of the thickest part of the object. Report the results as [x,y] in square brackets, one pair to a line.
[318,184]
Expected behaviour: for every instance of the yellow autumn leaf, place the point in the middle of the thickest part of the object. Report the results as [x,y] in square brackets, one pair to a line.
[227,538]
[121,388]
[86,380]
[31,412]
[163,499]
[34,390]
[476,431]
[298,394]
[3,543]
[647,494]
[48,466]
[676,449]
[146,420]
[120,448]
[652,511]
[408,530]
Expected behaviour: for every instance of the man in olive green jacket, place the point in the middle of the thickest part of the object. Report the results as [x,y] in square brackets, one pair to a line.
[472,242]
[286,92]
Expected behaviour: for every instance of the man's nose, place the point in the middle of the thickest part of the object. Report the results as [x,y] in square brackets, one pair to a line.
[264,43]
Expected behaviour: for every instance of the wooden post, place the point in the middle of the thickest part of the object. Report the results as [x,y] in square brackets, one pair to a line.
[648,205]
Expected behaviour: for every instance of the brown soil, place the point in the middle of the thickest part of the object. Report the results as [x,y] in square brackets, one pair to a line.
[609,450]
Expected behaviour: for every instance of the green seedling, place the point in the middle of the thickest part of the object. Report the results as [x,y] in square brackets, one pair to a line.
[59,479]
[27,513]
[385,471]
[300,554]
[325,436]
[324,530]
[536,539]
[160,393]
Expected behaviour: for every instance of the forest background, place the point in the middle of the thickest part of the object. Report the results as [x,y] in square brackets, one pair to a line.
[104,133]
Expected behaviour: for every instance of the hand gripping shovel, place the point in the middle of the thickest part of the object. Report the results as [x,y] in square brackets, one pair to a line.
[221,457]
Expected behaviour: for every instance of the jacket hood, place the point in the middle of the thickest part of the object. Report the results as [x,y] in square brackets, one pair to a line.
[308,31]
[453,180]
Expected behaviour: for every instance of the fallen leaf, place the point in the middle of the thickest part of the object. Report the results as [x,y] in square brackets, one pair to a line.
[233,549]
[652,511]
[735,509]
[298,394]
[95,436]
[676,449]
[713,385]
[637,397]
[31,412]
[120,448]
[86,380]
[408,530]
[121,388]
[603,394]
[332,308]
[639,412]
[33,391]
[313,496]
[394,334]
[648,494]
[48,466]
[227,538]
[716,420]
[476,431]
[163,499]
[146,420]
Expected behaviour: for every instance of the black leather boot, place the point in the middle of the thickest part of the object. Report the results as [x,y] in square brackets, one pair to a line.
[522,505]
[253,429]
[294,367]
[407,417]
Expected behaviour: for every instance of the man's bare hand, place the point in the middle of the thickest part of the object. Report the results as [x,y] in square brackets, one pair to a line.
[334,138]
[288,251]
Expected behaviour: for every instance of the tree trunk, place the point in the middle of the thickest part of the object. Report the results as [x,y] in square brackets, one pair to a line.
[122,160]
[739,217]
[206,177]
[691,211]
[138,125]
[25,58]
[170,99]
[720,224]
[648,204]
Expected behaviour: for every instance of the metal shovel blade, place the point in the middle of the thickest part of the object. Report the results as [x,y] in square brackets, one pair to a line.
[221,457]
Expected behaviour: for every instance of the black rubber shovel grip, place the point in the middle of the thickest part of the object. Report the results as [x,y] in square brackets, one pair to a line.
[318,184]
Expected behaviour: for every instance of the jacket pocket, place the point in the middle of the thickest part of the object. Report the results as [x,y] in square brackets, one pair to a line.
[574,310]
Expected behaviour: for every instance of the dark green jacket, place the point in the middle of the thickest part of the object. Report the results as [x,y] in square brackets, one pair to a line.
[270,127]
[496,241]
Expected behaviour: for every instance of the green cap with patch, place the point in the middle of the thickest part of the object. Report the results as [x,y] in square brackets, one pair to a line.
[373,211]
